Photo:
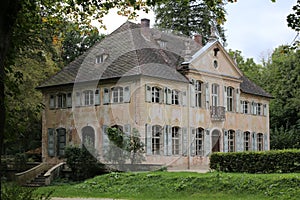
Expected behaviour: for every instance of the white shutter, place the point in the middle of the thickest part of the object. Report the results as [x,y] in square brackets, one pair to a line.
[265,109]
[51,142]
[225,98]
[127,94]
[239,141]
[165,137]
[168,96]
[148,93]
[52,101]
[106,97]
[169,133]
[78,99]
[241,106]
[192,142]
[127,129]
[266,142]
[184,141]
[184,98]
[237,99]
[192,95]
[97,97]
[225,141]
[161,96]
[148,139]
[69,100]
[105,140]
[254,141]
[207,95]
[207,147]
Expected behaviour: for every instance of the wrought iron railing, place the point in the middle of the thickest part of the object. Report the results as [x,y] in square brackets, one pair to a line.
[217,113]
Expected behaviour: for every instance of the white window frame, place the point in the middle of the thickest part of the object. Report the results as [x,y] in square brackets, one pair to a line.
[215,94]
[175,97]
[199,141]
[156,94]
[231,141]
[198,94]
[101,58]
[61,100]
[175,140]
[157,140]
[260,141]
[245,106]
[229,96]
[247,141]
[117,94]
[88,97]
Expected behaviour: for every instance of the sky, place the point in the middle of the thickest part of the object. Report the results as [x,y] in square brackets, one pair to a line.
[255,27]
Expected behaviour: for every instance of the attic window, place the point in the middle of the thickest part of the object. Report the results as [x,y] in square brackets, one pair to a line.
[101,58]
[162,44]
[215,64]
[216,51]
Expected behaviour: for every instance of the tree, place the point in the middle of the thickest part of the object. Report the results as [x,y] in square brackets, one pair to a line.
[190,17]
[135,147]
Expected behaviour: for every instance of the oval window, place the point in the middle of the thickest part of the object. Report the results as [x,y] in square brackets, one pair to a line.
[215,64]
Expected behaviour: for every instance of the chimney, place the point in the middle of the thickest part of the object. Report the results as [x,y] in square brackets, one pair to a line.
[145,23]
[198,39]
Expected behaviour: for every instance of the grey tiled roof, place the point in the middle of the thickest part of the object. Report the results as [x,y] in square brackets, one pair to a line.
[249,87]
[133,50]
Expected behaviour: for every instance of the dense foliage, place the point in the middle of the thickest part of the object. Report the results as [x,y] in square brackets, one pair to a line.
[185,185]
[83,163]
[275,161]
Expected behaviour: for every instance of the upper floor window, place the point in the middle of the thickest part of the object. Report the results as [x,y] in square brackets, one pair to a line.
[260,142]
[117,94]
[259,109]
[199,141]
[245,107]
[61,100]
[156,94]
[175,97]
[231,141]
[52,101]
[88,96]
[175,140]
[230,99]
[101,58]
[215,94]
[247,138]
[198,94]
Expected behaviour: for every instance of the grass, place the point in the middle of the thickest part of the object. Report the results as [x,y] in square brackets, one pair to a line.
[183,185]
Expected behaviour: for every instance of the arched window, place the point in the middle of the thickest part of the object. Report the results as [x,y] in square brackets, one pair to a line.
[118,127]
[117,95]
[230,99]
[88,96]
[260,142]
[247,141]
[156,140]
[88,137]
[231,141]
[199,141]
[175,140]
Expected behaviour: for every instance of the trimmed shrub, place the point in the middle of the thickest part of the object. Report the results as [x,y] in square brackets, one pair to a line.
[279,161]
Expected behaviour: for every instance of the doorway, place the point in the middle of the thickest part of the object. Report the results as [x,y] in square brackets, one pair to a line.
[215,141]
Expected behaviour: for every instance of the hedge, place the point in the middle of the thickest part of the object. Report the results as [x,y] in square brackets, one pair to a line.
[275,161]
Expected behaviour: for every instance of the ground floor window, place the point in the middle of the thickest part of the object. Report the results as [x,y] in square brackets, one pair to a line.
[88,137]
[260,142]
[175,140]
[247,144]
[231,141]
[156,140]
[199,141]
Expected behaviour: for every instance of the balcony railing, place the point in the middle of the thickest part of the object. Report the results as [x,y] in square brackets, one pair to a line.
[217,113]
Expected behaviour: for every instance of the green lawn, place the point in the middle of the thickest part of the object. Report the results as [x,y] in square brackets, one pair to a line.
[184,185]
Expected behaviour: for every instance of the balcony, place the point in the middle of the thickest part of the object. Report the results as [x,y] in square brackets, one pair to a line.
[217,113]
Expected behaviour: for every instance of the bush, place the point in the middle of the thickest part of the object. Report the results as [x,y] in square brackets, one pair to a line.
[280,161]
[83,163]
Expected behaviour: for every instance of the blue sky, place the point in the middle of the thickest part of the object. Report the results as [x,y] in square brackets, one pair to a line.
[255,27]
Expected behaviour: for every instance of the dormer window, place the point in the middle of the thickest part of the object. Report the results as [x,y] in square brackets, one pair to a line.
[162,44]
[101,58]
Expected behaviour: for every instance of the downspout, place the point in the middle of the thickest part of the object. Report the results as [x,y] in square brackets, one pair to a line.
[188,126]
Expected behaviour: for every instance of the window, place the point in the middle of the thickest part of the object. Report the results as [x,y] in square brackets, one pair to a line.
[97,97]
[215,94]
[215,64]
[198,94]
[199,141]
[175,140]
[156,139]
[88,137]
[259,110]
[51,142]
[61,141]
[230,99]
[52,101]
[254,108]
[106,98]
[245,107]
[78,99]
[117,95]
[175,97]
[260,141]
[231,141]
[88,96]
[61,100]
[101,58]
[265,110]
[69,100]
[156,94]
[162,44]
[247,138]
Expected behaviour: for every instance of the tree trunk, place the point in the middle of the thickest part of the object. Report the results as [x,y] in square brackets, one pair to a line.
[8,13]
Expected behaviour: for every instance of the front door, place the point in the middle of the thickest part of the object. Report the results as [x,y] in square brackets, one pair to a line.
[215,141]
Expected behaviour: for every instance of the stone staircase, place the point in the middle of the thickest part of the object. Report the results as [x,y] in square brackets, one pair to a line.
[38,181]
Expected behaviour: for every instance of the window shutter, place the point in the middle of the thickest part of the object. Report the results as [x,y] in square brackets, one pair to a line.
[69,100]
[169,96]
[127,129]
[169,128]
[97,97]
[106,98]
[239,138]
[105,140]
[265,110]
[192,95]
[241,106]
[207,147]
[78,99]
[148,139]
[237,99]
[184,141]
[61,141]
[127,94]
[52,101]
[192,141]
[266,142]
[148,93]
[225,98]
[225,144]
[252,108]
[207,95]
[161,96]
[184,98]
[254,141]
[51,142]
[165,140]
